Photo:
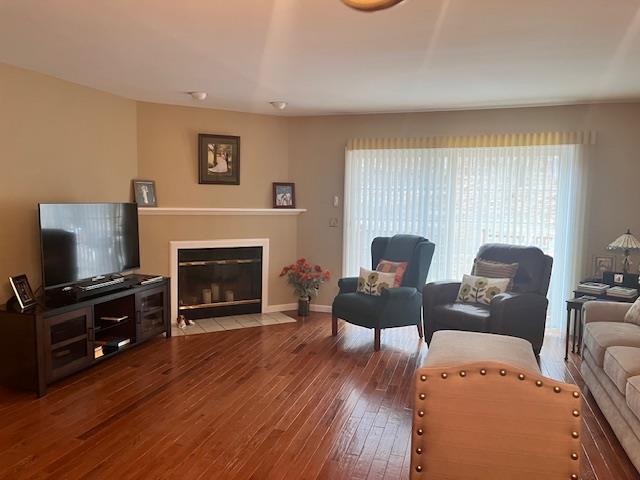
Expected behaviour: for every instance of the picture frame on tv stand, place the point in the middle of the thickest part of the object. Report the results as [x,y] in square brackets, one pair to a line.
[22,290]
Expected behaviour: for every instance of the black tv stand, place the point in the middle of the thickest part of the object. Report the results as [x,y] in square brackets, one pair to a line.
[55,339]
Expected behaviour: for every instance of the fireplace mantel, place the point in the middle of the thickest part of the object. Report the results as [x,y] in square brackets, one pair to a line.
[176,211]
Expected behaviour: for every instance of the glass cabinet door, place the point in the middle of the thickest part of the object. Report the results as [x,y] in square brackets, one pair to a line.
[151,306]
[68,342]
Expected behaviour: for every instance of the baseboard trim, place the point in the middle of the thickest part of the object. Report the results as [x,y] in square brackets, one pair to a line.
[321,308]
[294,306]
[281,308]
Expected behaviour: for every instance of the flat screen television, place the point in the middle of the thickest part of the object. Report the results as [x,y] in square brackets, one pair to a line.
[84,241]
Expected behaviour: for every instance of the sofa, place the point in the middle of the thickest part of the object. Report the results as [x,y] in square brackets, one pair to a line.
[611,369]
[520,312]
[484,411]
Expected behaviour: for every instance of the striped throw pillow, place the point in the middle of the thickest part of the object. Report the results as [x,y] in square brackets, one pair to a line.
[491,269]
[398,268]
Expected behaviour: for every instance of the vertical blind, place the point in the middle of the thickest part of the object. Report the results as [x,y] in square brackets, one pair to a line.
[463,197]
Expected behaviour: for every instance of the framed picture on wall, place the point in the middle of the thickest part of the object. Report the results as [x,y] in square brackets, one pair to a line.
[284,195]
[603,263]
[218,159]
[144,192]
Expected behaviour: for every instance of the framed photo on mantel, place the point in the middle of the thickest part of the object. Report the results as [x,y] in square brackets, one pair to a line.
[218,159]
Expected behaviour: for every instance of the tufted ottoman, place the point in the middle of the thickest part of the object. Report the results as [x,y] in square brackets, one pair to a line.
[484,411]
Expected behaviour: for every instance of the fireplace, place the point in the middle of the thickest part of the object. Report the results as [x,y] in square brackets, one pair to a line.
[219,277]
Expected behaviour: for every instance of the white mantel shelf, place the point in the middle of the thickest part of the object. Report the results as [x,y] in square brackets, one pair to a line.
[219,211]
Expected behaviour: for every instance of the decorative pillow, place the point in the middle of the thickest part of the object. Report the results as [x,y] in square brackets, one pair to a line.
[373,283]
[491,269]
[633,314]
[397,268]
[480,289]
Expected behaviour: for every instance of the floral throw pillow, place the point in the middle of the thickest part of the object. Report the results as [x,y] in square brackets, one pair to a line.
[373,283]
[397,268]
[481,289]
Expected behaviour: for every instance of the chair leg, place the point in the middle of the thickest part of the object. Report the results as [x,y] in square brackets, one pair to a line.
[376,339]
[420,331]
[334,325]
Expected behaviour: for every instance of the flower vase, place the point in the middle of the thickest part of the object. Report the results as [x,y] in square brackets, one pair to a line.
[303,306]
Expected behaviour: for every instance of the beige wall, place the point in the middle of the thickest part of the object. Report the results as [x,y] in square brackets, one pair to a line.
[317,151]
[59,142]
[167,153]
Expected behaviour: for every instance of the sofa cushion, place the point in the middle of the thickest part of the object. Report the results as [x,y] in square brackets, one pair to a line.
[530,276]
[450,347]
[633,314]
[472,317]
[599,336]
[620,364]
[357,308]
[633,395]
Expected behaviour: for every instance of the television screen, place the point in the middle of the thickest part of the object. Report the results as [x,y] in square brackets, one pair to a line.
[82,241]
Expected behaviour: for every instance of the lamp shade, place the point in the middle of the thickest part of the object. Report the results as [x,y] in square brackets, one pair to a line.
[625,242]
[371,5]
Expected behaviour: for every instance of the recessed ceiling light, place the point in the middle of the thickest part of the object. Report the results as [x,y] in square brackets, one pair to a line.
[371,5]
[198,95]
[279,105]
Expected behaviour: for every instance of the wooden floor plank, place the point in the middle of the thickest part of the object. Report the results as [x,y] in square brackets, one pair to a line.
[286,401]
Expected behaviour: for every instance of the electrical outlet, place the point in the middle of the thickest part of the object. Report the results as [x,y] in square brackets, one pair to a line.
[333,222]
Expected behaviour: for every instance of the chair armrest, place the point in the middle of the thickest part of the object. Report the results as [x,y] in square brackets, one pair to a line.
[438,293]
[348,284]
[399,293]
[597,311]
[521,315]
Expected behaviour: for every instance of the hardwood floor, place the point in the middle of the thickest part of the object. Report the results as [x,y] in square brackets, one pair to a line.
[282,401]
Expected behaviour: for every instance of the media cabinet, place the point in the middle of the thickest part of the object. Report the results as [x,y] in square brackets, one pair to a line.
[46,343]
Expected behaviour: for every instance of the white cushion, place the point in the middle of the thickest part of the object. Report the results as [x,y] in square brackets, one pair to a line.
[633,314]
[620,364]
[481,289]
[371,282]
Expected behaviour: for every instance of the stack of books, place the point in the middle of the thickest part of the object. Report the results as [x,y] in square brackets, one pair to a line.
[593,288]
[622,292]
[110,345]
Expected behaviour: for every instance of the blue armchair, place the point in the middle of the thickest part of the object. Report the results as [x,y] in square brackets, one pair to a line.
[396,307]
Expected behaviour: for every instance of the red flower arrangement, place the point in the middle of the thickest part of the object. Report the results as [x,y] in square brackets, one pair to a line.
[305,278]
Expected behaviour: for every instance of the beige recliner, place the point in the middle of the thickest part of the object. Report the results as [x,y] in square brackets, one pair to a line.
[484,411]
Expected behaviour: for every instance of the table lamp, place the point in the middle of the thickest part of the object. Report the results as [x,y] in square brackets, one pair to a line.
[627,243]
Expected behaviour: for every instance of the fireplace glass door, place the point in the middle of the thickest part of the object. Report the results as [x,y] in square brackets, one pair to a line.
[215,282]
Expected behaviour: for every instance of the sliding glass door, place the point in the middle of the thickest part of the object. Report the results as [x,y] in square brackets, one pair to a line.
[461,198]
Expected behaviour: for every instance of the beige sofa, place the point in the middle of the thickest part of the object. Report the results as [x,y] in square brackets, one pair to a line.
[611,370]
[483,411]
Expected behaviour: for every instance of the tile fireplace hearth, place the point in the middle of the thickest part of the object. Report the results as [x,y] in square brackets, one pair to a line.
[218,278]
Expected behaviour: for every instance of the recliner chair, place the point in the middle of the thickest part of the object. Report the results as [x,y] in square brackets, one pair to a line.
[521,312]
[396,307]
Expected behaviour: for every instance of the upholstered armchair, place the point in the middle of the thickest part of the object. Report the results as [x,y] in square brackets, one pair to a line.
[520,313]
[396,307]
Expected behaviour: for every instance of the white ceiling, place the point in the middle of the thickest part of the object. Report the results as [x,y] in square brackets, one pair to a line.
[323,57]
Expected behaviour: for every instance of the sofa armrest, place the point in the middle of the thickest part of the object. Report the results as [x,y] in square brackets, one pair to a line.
[348,284]
[600,311]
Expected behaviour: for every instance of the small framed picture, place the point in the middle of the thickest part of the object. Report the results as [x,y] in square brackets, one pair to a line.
[218,159]
[145,193]
[604,263]
[22,290]
[284,195]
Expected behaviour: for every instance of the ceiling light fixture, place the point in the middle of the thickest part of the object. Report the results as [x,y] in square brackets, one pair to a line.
[199,95]
[371,5]
[279,105]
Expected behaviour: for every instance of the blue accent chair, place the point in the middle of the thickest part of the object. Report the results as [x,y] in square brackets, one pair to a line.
[396,307]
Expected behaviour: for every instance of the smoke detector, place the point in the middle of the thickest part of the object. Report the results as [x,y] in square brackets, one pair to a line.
[279,105]
[198,95]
